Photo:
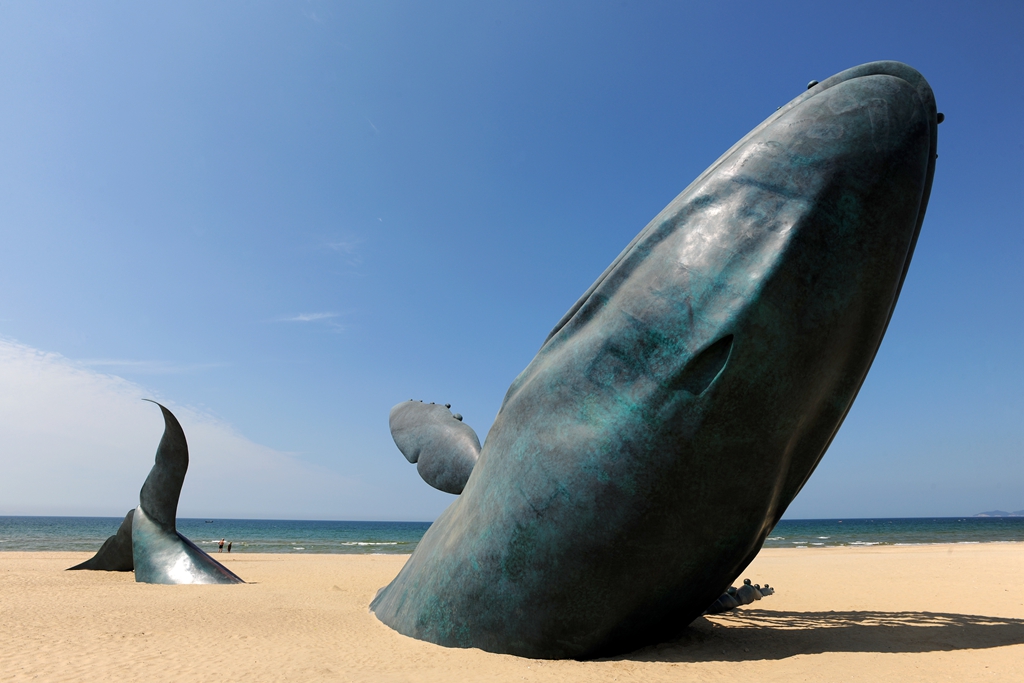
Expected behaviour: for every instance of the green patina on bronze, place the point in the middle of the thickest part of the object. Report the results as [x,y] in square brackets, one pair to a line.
[638,463]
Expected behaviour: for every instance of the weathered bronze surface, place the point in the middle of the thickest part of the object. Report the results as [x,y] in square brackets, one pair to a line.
[638,463]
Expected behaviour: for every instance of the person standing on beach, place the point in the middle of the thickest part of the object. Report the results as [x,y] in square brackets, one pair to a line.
[220,548]
[229,546]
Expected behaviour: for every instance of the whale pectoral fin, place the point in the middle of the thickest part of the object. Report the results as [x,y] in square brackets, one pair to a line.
[115,555]
[443,447]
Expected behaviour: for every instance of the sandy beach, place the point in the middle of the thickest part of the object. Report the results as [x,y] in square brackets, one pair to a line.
[915,613]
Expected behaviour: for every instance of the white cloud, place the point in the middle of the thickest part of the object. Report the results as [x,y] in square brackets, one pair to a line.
[74,441]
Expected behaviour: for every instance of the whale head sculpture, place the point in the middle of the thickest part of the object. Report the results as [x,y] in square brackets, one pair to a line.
[638,463]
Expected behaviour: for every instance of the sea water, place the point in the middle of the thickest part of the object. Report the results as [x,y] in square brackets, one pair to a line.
[245,535]
[87,534]
[812,533]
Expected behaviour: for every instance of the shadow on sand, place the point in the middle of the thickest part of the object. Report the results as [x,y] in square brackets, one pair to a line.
[755,634]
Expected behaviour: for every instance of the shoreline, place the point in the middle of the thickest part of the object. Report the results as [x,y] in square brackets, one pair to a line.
[241,551]
[284,536]
[915,612]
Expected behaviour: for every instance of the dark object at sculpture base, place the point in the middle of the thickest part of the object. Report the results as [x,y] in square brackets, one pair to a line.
[737,597]
[115,555]
[638,463]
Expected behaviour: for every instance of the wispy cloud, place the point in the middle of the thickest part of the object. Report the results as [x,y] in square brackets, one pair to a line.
[328,320]
[146,367]
[309,317]
[344,247]
[349,250]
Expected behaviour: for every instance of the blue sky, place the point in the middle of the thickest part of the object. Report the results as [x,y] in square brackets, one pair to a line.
[281,219]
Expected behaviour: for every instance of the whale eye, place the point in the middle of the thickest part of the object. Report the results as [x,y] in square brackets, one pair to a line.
[700,372]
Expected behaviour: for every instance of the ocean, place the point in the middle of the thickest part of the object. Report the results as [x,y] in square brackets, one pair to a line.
[246,535]
[87,534]
[811,533]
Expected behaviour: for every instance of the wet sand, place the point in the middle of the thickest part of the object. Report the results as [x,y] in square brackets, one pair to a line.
[915,613]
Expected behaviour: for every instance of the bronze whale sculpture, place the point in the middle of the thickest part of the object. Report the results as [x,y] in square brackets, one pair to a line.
[638,463]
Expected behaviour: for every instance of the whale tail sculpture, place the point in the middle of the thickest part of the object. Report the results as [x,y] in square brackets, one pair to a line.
[161,553]
[638,463]
[148,538]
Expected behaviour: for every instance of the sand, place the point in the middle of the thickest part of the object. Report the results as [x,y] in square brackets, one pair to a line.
[921,613]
